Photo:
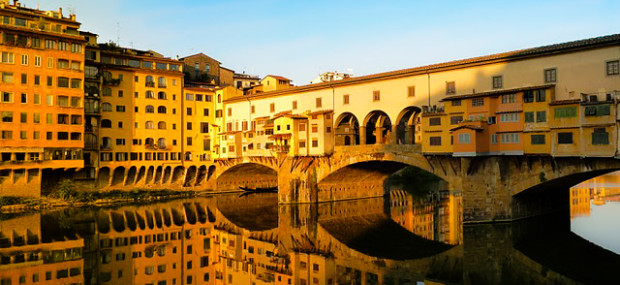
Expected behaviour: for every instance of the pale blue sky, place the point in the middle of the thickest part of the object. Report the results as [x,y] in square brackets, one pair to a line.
[300,39]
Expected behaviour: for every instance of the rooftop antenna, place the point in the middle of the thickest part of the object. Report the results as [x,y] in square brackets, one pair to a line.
[118,33]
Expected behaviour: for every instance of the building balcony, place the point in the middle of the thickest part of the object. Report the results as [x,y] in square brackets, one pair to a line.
[112,81]
[281,148]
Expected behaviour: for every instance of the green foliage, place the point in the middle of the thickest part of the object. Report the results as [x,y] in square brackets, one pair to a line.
[65,190]
[11,200]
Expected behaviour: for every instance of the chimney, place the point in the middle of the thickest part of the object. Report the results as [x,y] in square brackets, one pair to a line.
[60,12]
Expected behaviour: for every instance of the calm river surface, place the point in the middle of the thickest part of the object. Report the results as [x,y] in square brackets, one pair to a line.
[237,239]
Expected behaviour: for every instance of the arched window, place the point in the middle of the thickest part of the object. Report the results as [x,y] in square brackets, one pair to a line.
[161,143]
[161,82]
[106,107]
[219,98]
[148,125]
[161,110]
[149,81]
[149,95]
[161,125]
[149,142]
[161,95]
[150,109]
[106,91]
[106,123]
[106,142]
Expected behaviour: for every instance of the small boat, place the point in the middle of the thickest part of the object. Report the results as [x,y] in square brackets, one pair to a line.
[260,189]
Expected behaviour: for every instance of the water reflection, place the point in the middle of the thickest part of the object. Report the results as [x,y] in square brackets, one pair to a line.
[595,206]
[399,239]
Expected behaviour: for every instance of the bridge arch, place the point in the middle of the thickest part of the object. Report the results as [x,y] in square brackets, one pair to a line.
[347,129]
[406,123]
[249,174]
[377,128]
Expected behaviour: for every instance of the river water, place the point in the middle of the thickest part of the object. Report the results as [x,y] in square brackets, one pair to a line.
[407,237]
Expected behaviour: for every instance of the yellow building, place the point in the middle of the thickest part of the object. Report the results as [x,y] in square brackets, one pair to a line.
[41,102]
[141,110]
[198,121]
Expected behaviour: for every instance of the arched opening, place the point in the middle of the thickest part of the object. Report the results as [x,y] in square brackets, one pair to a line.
[131,176]
[161,83]
[149,175]
[149,142]
[158,218]
[210,172]
[118,176]
[106,143]
[161,95]
[202,174]
[347,130]
[161,143]
[106,107]
[149,109]
[375,179]
[141,174]
[158,174]
[130,217]
[250,175]
[161,110]
[406,125]
[377,128]
[190,176]
[118,222]
[149,94]
[167,174]
[161,125]
[167,218]
[103,177]
[177,174]
[148,125]
[105,123]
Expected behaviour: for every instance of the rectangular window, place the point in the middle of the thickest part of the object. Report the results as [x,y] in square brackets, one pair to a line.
[450,88]
[464,139]
[77,83]
[435,140]
[411,91]
[24,78]
[37,80]
[7,77]
[600,136]
[7,97]
[7,117]
[24,59]
[477,102]
[509,117]
[494,138]
[597,110]
[509,98]
[498,82]
[540,95]
[302,144]
[23,117]
[550,75]
[528,96]
[434,121]
[565,112]
[319,102]
[376,95]
[541,116]
[529,117]
[272,107]
[49,100]
[565,138]
[24,98]
[454,120]
[456,103]
[538,139]
[190,112]
[510,138]
[315,128]
[37,61]
[315,143]
[205,112]
[294,105]
[345,99]
[8,57]
[492,120]
[120,108]
[63,82]
[613,67]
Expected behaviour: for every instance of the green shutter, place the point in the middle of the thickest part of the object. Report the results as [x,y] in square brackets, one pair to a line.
[529,117]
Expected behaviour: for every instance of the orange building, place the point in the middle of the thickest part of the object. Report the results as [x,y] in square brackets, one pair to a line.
[41,102]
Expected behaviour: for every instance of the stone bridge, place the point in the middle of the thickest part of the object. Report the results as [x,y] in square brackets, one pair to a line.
[493,188]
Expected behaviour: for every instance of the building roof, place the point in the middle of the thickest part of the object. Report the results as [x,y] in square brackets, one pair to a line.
[278,77]
[320,112]
[200,54]
[522,54]
[470,127]
[495,93]
[565,102]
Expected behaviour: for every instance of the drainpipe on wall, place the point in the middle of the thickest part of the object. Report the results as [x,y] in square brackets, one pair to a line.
[428,76]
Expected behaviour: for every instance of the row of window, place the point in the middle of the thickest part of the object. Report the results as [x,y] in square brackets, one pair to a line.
[61,136]
[139,156]
[63,119]
[62,101]
[600,136]
[64,82]
[140,64]
[34,42]
[9,57]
